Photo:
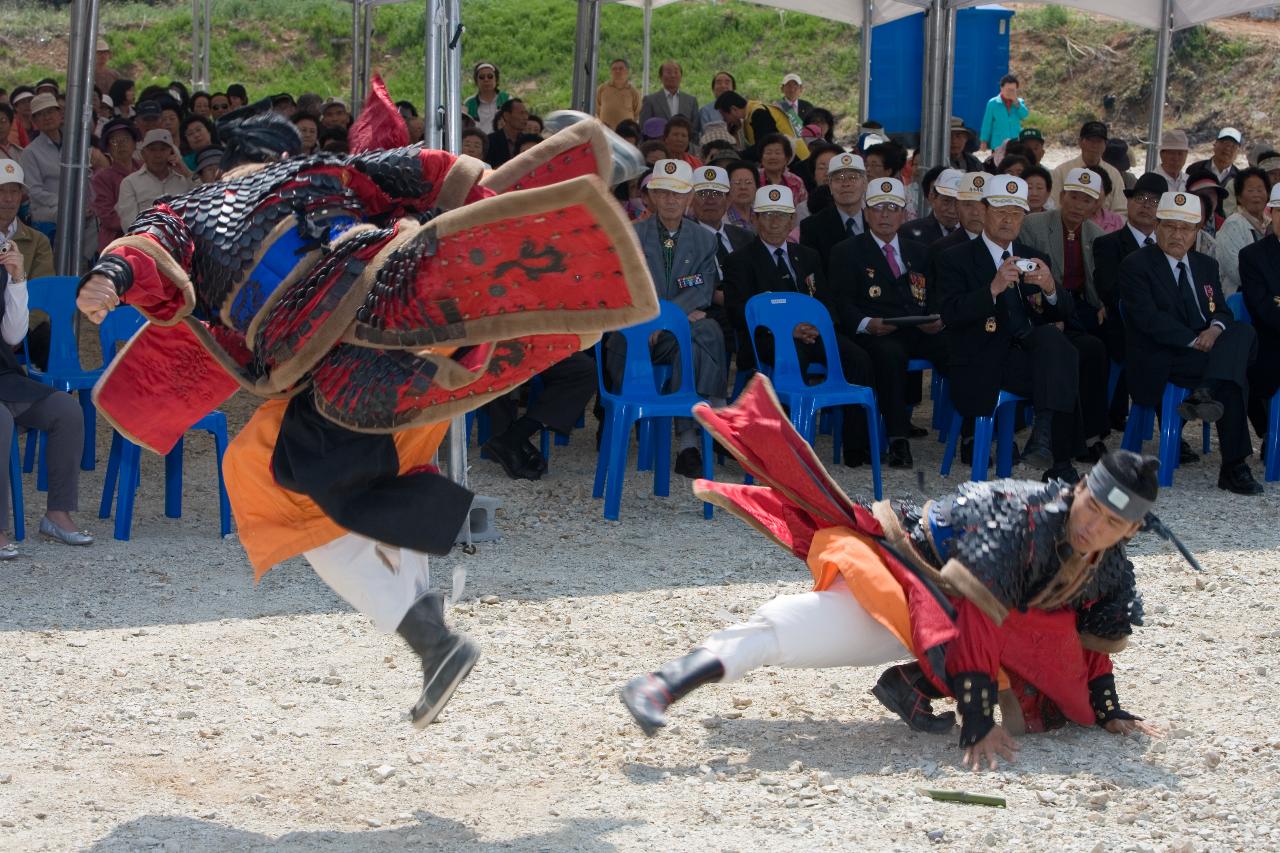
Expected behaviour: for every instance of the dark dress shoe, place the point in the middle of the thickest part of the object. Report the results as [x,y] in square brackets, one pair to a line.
[1036,455]
[900,453]
[1186,456]
[966,453]
[515,457]
[1200,406]
[855,458]
[1238,478]
[1064,471]
[689,463]
[1092,454]
[916,432]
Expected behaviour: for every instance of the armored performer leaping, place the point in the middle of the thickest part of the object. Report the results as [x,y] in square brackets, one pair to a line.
[1011,594]
[369,298]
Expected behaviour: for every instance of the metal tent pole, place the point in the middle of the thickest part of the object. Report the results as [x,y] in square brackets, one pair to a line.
[584,65]
[77,128]
[196,35]
[948,86]
[433,113]
[205,76]
[356,75]
[934,47]
[453,79]
[864,102]
[648,33]
[366,65]
[1164,41]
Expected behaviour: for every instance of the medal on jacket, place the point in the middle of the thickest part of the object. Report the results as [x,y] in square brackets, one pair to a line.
[991,324]
[874,291]
[1276,299]
[1037,303]
[668,243]
[1208,292]
[869,273]
[918,287]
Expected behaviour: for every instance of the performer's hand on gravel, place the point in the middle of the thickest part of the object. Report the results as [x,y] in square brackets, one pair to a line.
[997,742]
[97,298]
[1128,727]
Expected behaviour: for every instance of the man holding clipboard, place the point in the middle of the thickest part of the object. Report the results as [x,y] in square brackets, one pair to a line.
[879,293]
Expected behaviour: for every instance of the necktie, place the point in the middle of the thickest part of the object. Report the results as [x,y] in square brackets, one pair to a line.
[724,241]
[1148,241]
[783,270]
[890,256]
[851,226]
[1188,291]
[1018,319]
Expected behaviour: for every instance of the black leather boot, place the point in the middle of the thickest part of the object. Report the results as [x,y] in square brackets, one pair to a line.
[647,697]
[906,691]
[447,656]
[1038,452]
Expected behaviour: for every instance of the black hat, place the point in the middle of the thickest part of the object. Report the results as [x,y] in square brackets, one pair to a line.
[1152,183]
[114,125]
[206,157]
[1030,133]
[1093,130]
[148,108]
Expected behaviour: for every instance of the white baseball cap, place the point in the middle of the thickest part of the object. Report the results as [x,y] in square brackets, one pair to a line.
[1274,202]
[11,173]
[774,198]
[1083,181]
[158,134]
[711,178]
[947,182]
[673,175]
[886,191]
[1006,191]
[1180,207]
[972,186]
[792,78]
[843,161]
[1230,133]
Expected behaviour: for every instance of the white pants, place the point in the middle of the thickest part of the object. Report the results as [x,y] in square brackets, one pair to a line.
[812,630]
[381,581]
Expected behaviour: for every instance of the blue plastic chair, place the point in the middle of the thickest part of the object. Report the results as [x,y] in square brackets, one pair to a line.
[55,295]
[780,313]
[638,399]
[15,490]
[124,464]
[1141,423]
[1271,452]
[1001,421]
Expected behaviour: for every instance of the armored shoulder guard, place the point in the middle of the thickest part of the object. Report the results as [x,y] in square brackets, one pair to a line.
[1112,605]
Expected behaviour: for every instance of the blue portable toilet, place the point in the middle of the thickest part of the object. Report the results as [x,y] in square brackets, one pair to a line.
[897,68]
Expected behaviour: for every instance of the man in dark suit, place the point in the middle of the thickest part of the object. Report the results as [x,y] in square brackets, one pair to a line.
[971,212]
[876,277]
[1260,284]
[709,204]
[847,177]
[669,101]
[791,103]
[1000,327]
[1178,329]
[770,264]
[565,389]
[511,120]
[939,186]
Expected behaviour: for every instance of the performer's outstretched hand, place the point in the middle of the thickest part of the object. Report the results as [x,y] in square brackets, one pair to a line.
[97,298]
[1128,727]
[997,742]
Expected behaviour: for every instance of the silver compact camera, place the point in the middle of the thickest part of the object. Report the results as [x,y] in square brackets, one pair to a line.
[1026,265]
[5,246]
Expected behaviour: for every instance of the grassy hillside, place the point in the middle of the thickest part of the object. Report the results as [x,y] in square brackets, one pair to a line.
[1068,61]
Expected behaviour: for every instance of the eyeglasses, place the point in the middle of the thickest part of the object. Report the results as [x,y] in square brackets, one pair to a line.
[845,176]
[1146,200]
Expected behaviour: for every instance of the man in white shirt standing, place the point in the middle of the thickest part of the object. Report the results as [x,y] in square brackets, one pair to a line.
[1173,156]
[157,178]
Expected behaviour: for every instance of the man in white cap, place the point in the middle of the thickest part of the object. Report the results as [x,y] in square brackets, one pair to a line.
[42,162]
[1260,284]
[37,255]
[876,277]
[1001,320]
[770,264]
[791,103]
[1065,235]
[156,178]
[103,76]
[1222,165]
[708,206]
[1179,329]
[847,177]
[971,212]
[1174,149]
[940,186]
[681,256]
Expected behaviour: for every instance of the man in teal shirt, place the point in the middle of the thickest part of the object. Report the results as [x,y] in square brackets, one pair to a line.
[1003,117]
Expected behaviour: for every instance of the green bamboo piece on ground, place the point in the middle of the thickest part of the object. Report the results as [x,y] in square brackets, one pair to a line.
[962,797]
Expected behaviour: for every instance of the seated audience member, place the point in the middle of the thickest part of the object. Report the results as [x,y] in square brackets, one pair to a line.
[771,264]
[27,403]
[1260,284]
[1039,188]
[744,180]
[308,130]
[873,278]
[533,125]
[219,105]
[1033,139]
[237,95]
[681,256]
[1206,185]
[511,120]
[120,141]
[817,176]
[1014,164]
[1106,218]
[209,165]
[825,121]
[42,163]
[676,137]
[958,156]
[1117,155]
[630,131]
[566,389]
[1002,332]
[334,113]
[1179,329]
[885,160]
[525,141]
[847,177]
[156,178]
[200,104]
[708,206]
[940,189]
[653,151]
[1247,225]
[473,143]
[334,140]
[197,135]
[775,156]
[9,149]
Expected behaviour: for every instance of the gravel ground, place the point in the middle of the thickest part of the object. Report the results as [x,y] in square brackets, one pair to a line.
[154,698]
